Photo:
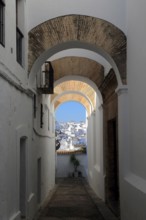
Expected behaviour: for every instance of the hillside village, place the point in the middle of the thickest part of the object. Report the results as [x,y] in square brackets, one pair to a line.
[72,136]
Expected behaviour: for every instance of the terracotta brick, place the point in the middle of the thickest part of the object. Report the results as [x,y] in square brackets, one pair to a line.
[79,28]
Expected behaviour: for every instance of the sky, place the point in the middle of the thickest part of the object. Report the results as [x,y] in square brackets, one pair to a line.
[70,111]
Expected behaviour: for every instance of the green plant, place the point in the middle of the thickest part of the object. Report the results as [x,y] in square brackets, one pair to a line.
[75,162]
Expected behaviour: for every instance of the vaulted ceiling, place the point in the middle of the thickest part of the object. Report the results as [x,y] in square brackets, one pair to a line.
[78,66]
[75,91]
[78,28]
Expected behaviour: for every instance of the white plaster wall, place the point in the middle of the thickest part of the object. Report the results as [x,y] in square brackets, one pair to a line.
[16,108]
[112,11]
[98,172]
[45,149]
[137,88]
[8,61]
[65,168]
[90,148]
[133,184]
[15,122]
[95,150]
[44,145]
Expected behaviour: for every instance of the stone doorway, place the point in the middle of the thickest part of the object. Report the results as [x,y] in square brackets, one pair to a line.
[112,170]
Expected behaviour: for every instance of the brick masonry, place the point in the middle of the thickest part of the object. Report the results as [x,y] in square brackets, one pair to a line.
[79,28]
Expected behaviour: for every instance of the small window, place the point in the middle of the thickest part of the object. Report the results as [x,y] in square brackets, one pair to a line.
[19,46]
[2,23]
[19,31]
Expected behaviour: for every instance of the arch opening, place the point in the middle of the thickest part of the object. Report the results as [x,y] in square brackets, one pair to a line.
[68,45]
[81,79]
[84,32]
[116,57]
[71,133]
[74,88]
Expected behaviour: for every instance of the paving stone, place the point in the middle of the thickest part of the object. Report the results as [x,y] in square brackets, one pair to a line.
[74,200]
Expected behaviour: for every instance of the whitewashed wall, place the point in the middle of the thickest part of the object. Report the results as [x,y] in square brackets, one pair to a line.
[44,145]
[98,170]
[8,63]
[15,122]
[16,117]
[90,144]
[45,150]
[16,108]
[64,168]
[133,184]
[95,150]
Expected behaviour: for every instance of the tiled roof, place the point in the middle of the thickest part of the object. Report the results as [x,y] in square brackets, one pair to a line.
[62,152]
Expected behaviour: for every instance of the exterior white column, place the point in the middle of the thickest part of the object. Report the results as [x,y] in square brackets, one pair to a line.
[93,141]
[90,146]
[123,129]
[99,151]
[123,138]
[101,139]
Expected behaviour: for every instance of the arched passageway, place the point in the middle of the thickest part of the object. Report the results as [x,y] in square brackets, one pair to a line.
[102,161]
[76,31]
[80,38]
[100,98]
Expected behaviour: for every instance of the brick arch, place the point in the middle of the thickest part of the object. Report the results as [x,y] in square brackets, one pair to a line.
[70,89]
[72,97]
[79,28]
[90,85]
[80,66]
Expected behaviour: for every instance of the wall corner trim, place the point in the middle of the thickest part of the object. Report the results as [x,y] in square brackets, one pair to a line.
[121,90]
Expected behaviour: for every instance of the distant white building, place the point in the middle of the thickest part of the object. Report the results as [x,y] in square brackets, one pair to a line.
[97,50]
[75,134]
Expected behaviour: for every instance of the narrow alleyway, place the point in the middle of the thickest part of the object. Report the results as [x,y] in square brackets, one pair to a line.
[73,199]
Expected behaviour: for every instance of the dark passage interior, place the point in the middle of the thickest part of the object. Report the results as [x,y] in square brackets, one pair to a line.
[112,174]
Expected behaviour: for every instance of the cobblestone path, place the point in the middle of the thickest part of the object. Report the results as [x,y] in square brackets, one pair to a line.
[74,200]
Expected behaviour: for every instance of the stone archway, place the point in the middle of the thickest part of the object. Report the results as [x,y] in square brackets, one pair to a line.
[73,96]
[78,31]
[75,84]
[81,79]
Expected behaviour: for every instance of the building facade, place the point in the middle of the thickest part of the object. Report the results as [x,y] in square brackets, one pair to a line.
[97,50]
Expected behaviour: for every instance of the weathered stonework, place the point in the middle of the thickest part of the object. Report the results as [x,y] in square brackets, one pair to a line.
[78,66]
[81,28]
